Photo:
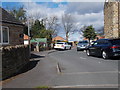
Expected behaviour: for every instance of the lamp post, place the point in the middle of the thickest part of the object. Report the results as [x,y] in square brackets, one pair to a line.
[28,23]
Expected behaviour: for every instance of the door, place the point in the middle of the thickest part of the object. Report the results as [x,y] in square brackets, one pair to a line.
[92,48]
[96,48]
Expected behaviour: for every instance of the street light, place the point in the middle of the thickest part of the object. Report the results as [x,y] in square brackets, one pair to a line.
[28,31]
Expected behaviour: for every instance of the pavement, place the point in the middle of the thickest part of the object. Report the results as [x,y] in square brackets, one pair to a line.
[36,74]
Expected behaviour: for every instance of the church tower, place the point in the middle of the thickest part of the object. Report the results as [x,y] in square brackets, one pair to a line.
[112,19]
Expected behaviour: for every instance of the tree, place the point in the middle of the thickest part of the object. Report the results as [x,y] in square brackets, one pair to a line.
[37,28]
[19,14]
[67,21]
[89,33]
[51,23]
[25,30]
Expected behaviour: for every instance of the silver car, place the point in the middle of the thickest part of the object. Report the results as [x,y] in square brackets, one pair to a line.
[82,45]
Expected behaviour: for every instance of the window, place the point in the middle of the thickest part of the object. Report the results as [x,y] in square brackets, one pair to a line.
[115,41]
[4,35]
[0,35]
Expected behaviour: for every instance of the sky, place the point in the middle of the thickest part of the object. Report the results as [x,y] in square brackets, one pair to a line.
[84,13]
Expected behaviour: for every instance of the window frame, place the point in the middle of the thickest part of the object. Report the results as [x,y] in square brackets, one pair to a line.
[1,31]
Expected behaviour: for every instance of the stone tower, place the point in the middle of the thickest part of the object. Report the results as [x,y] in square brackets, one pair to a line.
[112,19]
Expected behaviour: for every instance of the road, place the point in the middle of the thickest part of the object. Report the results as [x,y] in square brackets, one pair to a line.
[79,70]
[74,70]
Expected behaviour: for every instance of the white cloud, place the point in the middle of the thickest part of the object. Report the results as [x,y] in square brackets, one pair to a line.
[84,14]
[86,0]
[41,10]
[95,19]
[85,7]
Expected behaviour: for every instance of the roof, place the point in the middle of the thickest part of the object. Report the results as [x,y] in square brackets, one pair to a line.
[39,40]
[8,18]
[58,38]
[26,37]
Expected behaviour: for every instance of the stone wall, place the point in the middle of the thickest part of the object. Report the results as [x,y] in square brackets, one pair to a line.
[111,24]
[119,18]
[13,59]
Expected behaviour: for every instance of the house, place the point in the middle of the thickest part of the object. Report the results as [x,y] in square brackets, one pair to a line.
[100,37]
[38,44]
[26,39]
[112,19]
[11,32]
[15,55]
[97,37]
[58,38]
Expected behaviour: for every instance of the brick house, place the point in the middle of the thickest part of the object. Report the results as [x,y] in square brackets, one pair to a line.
[112,19]
[58,38]
[11,32]
[14,54]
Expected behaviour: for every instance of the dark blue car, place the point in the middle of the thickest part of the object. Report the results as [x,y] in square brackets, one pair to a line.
[104,47]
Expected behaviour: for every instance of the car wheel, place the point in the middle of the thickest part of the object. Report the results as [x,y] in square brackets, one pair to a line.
[88,52]
[70,48]
[104,55]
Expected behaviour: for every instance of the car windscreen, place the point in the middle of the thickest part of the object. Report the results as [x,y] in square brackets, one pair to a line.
[115,42]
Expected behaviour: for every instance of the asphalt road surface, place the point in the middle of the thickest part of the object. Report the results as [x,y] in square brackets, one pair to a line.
[79,70]
[68,69]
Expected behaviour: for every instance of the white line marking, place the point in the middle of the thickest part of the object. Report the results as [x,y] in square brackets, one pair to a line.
[91,72]
[82,58]
[99,62]
[86,86]
[58,68]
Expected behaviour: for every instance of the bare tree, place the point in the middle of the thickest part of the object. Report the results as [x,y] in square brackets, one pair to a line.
[68,24]
[51,23]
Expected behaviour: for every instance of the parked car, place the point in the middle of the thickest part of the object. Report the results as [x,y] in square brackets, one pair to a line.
[82,45]
[62,45]
[104,47]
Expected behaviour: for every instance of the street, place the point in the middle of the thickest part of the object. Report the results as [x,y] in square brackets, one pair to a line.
[68,69]
[77,69]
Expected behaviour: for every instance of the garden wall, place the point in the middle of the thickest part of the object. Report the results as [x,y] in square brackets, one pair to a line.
[14,58]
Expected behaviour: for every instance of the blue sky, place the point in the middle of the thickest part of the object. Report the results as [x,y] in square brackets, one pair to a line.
[84,13]
[52,4]
[11,5]
[18,4]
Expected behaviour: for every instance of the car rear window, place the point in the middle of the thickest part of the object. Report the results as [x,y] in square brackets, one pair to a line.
[115,42]
[83,41]
[60,43]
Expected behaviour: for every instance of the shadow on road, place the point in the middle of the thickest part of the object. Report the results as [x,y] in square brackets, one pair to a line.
[29,66]
[36,56]
[112,58]
[118,58]
[32,63]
